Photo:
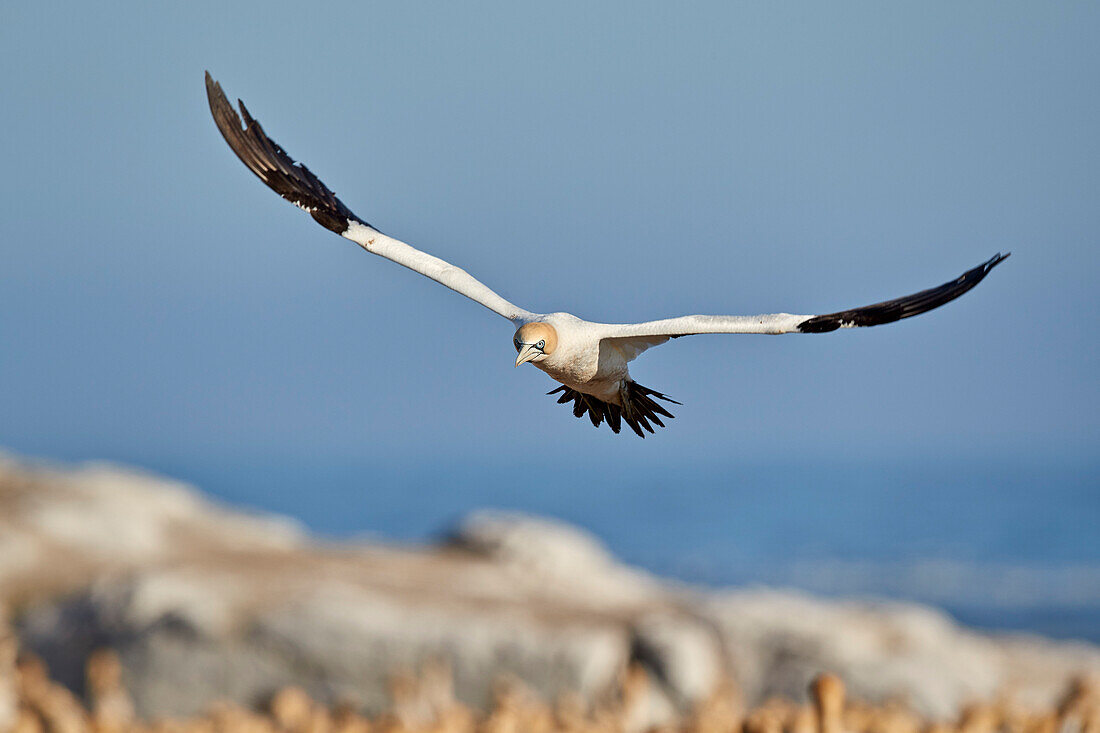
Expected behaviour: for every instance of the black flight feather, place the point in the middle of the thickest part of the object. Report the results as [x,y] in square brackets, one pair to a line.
[263,156]
[904,307]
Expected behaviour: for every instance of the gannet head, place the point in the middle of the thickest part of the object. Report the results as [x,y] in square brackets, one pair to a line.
[534,341]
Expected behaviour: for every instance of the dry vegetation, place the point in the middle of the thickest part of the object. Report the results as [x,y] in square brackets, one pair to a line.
[425,702]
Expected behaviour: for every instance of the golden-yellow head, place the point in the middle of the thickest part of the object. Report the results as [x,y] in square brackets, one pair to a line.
[534,341]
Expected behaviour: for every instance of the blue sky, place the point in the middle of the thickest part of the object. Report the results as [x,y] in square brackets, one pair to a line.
[621,161]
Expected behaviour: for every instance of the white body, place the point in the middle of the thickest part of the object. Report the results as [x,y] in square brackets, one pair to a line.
[593,357]
[583,360]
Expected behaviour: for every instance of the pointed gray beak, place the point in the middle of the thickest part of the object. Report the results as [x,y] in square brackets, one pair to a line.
[526,354]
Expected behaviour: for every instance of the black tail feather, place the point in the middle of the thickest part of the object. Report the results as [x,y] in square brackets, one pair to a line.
[641,409]
[614,417]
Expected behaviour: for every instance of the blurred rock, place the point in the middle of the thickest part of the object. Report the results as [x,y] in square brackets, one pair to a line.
[59,529]
[202,603]
[683,651]
[781,640]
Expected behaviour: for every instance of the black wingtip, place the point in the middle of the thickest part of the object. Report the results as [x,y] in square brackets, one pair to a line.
[905,307]
[271,164]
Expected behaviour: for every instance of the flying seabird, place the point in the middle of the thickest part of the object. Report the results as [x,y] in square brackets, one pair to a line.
[588,359]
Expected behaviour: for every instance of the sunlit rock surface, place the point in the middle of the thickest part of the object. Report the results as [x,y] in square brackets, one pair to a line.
[203,603]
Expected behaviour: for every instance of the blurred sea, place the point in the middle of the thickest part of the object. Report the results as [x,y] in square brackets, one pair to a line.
[999,545]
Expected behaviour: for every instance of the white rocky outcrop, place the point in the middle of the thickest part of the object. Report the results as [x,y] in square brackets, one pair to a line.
[61,528]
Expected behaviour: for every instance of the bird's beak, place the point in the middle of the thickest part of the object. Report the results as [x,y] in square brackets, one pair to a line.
[527,353]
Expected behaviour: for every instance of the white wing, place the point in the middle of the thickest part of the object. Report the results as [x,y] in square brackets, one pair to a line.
[297,184]
[634,338]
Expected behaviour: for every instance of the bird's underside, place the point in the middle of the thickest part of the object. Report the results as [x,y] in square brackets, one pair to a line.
[605,393]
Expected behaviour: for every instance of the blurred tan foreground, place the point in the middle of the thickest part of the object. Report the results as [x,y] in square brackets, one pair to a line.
[31,703]
[206,605]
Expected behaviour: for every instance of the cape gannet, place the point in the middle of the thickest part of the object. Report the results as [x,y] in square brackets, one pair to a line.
[588,359]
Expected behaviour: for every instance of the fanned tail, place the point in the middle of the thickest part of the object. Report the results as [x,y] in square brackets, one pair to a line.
[638,409]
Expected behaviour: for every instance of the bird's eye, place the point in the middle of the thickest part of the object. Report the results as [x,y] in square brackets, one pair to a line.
[540,345]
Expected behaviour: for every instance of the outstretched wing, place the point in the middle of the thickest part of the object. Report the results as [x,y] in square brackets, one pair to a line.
[297,184]
[634,338]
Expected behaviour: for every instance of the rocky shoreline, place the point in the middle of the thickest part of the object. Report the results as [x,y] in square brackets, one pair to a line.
[203,603]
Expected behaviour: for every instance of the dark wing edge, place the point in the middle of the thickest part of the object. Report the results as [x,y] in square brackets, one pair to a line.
[264,157]
[910,305]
